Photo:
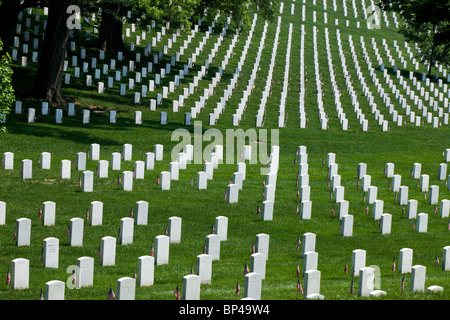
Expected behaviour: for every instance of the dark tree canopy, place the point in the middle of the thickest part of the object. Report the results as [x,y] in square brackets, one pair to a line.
[427,23]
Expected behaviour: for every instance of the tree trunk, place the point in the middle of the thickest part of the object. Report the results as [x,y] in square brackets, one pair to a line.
[110,34]
[47,84]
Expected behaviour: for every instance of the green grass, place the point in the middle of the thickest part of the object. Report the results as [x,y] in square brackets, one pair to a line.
[198,208]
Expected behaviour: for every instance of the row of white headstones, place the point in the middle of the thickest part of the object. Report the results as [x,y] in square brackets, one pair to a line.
[84,272]
[213,117]
[368,276]
[338,190]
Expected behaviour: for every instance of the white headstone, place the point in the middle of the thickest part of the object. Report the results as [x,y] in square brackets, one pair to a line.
[446,258]
[45,160]
[418,274]
[385,223]
[252,286]
[20,273]
[127,180]
[76,227]
[81,161]
[126,231]
[66,167]
[308,242]
[267,210]
[27,169]
[48,213]
[116,159]
[146,271]
[127,152]
[347,225]
[162,249]
[358,261]
[22,232]
[165,180]
[141,214]
[85,274]
[54,290]
[204,268]
[221,227]
[422,222]
[312,285]
[87,182]
[213,246]
[108,251]
[405,260]
[8,161]
[366,281]
[305,209]
[2,212]
[50,253]
[174,229]
[191,287]
[126,288]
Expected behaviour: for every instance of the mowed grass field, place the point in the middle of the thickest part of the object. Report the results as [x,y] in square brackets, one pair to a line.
[403,146]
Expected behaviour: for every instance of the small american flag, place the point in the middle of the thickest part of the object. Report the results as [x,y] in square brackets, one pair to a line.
[258,210]
[111,295]
[346,267]
[298,269]
[79,182]
[8,278]
[333,211]
[177,293]
[73,277]
[192,181]
[192,269]
[99,252]
[166,231]
[436,261]
[238,288]
[297,210]
[87,214]
[213,230]
[119,181]
[352,289]
[41,296]
[157,179]
[245,269]
[393,265]
[134,274]
[299,286]
[298,243]
[367,209]
[253,247]
[40,213]
[131,213]
[402,284]
[413,225]
[204,249]
[152,251]
[42,254]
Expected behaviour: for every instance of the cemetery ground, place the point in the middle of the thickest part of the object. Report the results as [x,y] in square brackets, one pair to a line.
[402,145]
